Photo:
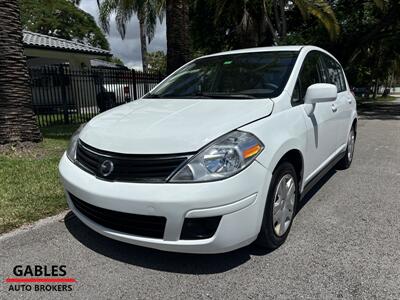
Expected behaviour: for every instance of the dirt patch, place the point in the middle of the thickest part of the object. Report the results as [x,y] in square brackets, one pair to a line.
[23,149]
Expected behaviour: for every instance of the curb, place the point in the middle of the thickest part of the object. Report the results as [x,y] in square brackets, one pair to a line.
[40,223]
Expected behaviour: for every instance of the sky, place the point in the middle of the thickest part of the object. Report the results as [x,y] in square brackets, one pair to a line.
[128,50]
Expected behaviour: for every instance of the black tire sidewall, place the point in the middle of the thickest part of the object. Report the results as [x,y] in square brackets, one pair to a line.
[345,163]
[267,237]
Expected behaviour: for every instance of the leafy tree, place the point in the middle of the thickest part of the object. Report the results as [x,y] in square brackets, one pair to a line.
[245,23]
[63,19]
[17,120]
[367,44]
[116,60]
[147,12]
[157,61]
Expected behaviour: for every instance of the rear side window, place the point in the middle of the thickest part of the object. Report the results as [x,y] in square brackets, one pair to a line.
[311,72]
[334,73]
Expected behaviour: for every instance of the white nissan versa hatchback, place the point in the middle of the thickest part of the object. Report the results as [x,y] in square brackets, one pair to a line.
[216,156]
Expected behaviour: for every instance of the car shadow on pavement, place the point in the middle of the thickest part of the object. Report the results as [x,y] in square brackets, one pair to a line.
[379,111]
[155,259]
[170,261]
[307,197]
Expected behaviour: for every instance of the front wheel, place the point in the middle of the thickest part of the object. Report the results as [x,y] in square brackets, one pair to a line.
[280,207]
[345,162]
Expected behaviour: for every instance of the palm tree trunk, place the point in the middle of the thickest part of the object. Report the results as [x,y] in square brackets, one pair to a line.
[17,120]
[143,43]
[283,18]
[178,51]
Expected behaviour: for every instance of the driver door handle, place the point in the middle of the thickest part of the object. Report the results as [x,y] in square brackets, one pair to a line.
[334,108]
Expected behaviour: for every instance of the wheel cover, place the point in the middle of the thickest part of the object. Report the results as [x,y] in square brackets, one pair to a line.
[283,206]
[350,145]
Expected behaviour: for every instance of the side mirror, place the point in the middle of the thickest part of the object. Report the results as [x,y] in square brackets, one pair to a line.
[320,92]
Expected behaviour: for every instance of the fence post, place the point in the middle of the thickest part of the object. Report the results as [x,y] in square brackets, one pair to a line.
[64,95]
[134,84]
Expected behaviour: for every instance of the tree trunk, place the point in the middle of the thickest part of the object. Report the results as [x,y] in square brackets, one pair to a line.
[277,18]
[283,18]
[270,26]
[376,86]
[178,51]
[143,43]
[17,120]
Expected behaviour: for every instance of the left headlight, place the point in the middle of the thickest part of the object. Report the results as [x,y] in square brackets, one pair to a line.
[224,158]
[73,143]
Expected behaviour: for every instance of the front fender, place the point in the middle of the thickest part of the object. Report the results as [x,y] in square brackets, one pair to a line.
[280,133]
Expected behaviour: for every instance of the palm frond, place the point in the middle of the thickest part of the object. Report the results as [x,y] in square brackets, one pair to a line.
[380,4]
[323,12]
[76,2]
[107,7]
[160,9]
[221,6]
[150,11]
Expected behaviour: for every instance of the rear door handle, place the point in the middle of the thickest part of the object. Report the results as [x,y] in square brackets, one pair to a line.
[334,108]
[349,100]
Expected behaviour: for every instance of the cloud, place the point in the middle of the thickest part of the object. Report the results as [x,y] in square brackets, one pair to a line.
[128,49]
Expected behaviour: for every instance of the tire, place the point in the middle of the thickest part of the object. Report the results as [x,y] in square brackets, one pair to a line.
[272,234]
[347,159]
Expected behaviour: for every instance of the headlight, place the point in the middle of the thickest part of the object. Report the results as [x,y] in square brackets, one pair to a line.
[225,157]
[73,143]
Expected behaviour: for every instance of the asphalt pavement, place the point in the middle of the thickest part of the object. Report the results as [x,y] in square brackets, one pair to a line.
[344,243]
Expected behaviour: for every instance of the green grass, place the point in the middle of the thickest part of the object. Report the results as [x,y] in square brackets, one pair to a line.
[29,184]
[386,98]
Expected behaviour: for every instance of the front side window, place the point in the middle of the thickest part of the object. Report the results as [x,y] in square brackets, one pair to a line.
[232,76]
[310,73]
[334,73]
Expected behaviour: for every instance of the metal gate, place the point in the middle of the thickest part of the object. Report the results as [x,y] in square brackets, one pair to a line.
[61,95]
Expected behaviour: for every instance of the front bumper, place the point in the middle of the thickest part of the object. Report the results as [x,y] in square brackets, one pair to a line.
[239,200]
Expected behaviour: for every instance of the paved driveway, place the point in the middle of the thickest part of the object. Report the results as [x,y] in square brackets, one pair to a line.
[345,243]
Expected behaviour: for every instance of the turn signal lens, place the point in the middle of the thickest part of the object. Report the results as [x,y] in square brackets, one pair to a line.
[252,151]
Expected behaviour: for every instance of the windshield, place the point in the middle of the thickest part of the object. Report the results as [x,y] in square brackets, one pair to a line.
[233,76]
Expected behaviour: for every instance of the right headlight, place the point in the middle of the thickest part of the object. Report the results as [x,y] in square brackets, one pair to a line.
[223,158]
[73,143]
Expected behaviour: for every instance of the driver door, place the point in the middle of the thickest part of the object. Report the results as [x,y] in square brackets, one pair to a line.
[321,131]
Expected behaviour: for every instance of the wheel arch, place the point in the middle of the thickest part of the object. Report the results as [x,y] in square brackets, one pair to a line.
[295,157]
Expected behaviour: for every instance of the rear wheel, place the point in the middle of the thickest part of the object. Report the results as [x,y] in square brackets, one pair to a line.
[345,162]
[280,207]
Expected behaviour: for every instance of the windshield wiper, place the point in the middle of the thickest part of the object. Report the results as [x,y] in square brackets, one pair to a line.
[150,95]
[228,96]
[162,96]
[203,95]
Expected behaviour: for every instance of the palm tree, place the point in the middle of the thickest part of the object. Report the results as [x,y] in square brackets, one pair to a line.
[178,36]
[147,12]
[256,19]
[17,120]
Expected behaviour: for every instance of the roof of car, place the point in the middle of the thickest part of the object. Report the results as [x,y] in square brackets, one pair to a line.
[261,49]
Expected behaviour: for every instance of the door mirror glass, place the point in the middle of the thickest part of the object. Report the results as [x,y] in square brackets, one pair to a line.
[320,92]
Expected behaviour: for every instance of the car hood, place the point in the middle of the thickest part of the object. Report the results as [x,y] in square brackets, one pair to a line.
[166,126]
